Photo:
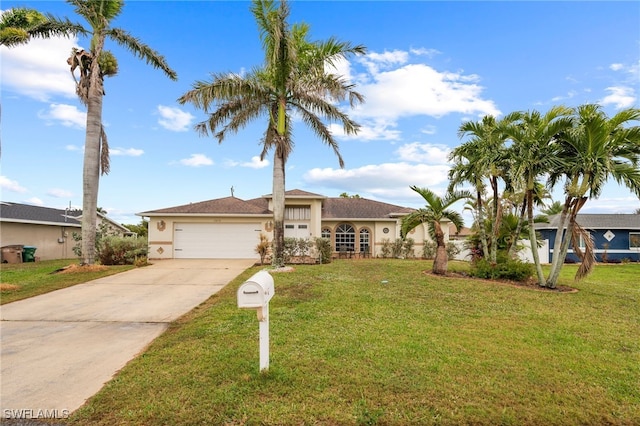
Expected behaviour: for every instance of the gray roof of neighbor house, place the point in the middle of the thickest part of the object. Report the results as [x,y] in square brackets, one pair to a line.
[598,221]
[332,208]
[28,213]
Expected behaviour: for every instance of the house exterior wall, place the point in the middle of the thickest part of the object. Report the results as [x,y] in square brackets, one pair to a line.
[161,230]
[51,241]
[617,249]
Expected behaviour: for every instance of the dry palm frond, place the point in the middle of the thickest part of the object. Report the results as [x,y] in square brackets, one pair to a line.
[105,164]
[587,258]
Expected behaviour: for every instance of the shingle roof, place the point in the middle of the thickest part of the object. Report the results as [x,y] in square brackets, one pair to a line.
[26,213]
[332,208]
[359,208]
[227,205]
[598,221]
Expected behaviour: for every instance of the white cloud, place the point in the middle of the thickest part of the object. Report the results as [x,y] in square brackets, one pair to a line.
[35,201]
[39,69]
[616,67]
[67,115]
[619,96]
[388,180]
[197,160]
[369,130]
[126,152]
[59,193]
[72,148]
[11,185]
[424,153]
[174,119]
[418,89]
[255,163]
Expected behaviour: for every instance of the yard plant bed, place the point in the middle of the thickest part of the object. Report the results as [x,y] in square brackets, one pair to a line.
[380,342]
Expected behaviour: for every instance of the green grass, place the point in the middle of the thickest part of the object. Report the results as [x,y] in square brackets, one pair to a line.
[347,348]
[23,280]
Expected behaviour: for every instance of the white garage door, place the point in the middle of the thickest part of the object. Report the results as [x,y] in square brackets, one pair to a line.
[215,240]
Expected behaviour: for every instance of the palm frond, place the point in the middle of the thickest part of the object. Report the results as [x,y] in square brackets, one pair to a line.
[141,50]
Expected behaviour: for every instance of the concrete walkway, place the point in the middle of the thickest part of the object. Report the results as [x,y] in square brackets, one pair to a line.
[60,348]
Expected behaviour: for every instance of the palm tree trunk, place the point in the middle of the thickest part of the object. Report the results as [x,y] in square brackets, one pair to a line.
[440,261]
[278,207]
[533,240]
[481,228]
[91,164]
[554,274]
[497,218]
[516,236]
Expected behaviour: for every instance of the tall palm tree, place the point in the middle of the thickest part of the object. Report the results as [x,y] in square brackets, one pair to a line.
[94,65]
[436,210]
[534,153]
[595,149]
[294,79]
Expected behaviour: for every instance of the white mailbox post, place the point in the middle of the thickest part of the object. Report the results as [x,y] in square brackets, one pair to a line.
[255,293]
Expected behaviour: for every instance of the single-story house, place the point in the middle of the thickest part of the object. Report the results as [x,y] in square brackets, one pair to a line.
[616,236]
[49,230]
[230,227]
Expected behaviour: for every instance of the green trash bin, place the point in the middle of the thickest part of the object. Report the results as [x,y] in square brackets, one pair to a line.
[29,254]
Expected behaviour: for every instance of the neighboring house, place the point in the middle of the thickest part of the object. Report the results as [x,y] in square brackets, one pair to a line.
[230,227]
[49,230]
[616,236]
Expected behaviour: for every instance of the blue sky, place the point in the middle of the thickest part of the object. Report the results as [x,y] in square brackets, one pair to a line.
[430,66]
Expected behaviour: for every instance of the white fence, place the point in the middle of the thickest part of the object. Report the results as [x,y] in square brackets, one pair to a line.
[524,253]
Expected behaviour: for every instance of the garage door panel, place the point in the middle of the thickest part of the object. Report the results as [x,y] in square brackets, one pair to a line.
[216,240]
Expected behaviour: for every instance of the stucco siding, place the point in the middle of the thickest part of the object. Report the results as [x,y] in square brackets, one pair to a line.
[51,242]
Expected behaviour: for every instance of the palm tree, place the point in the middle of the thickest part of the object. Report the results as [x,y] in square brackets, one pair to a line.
[293,80]
[485,158]
[534,153]
[94,65]
[20,24]
[595,149]
[436,210]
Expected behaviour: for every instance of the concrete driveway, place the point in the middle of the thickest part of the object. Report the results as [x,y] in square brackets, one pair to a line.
[60,348]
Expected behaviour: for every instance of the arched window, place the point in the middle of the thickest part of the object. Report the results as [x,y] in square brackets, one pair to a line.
[365,247]
[345,237]
[326,233]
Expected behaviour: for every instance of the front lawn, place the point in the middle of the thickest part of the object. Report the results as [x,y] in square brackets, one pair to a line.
[22,280]
[379,341]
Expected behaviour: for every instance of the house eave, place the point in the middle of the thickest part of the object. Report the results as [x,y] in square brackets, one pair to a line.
[218,215]
[38,222]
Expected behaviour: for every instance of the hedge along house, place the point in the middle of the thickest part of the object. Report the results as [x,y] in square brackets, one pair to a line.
[229,227]
[49,230]
[616,237]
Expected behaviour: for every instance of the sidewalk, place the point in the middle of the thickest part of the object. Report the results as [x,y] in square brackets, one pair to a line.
[58,349]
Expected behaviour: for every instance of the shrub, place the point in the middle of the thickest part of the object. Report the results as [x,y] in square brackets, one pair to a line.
[407,248]
[397,248]
[323,247]
[509,269]
[263,248]
[385,250]
[429,249]
[117,250]
[452,250]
